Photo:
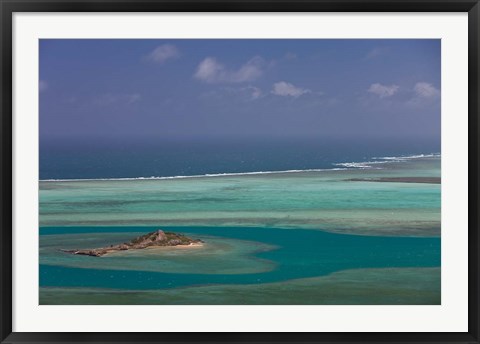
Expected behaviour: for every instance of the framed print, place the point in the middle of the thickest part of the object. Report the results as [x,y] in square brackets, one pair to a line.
[239,172]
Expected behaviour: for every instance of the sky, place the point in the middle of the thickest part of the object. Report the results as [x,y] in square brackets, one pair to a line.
[177,89]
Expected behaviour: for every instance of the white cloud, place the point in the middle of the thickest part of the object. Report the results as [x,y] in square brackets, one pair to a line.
[424,94]
[383,91]
[163,53]
[211,71]
[425,90]
[42,85]
[255,92]
[286,89]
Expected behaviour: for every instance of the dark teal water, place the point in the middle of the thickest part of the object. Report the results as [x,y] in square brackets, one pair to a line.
[301,253]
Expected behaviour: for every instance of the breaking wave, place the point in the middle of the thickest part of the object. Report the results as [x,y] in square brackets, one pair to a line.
[375,164]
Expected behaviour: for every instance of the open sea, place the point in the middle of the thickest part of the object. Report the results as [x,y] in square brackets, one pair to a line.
[284,222]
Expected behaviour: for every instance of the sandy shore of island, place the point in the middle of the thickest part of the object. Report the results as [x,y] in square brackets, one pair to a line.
[160,248]
[191,245]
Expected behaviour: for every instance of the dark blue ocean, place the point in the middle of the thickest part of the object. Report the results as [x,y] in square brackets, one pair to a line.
[90,159]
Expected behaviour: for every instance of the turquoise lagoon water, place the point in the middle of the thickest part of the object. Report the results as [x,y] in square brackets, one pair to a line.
[295,254]
[281,232]
[324,200]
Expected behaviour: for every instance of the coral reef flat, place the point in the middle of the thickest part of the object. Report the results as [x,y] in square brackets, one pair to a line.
[320,200]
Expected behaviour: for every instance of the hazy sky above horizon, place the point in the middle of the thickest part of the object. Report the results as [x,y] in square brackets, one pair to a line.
[240,88]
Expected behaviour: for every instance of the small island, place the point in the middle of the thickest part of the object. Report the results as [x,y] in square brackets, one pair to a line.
[154,239]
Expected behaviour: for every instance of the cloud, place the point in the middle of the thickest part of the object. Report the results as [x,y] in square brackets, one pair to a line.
[42,85]
[123,99]
[212,71]
[209,70]
[255,92]
[383,91]
[424,94]
[163,53]
[425,90]
[286,89]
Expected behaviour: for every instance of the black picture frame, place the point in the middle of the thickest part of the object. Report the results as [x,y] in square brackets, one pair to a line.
[9,7]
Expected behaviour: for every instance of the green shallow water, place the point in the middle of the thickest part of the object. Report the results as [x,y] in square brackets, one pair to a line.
[313,200]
